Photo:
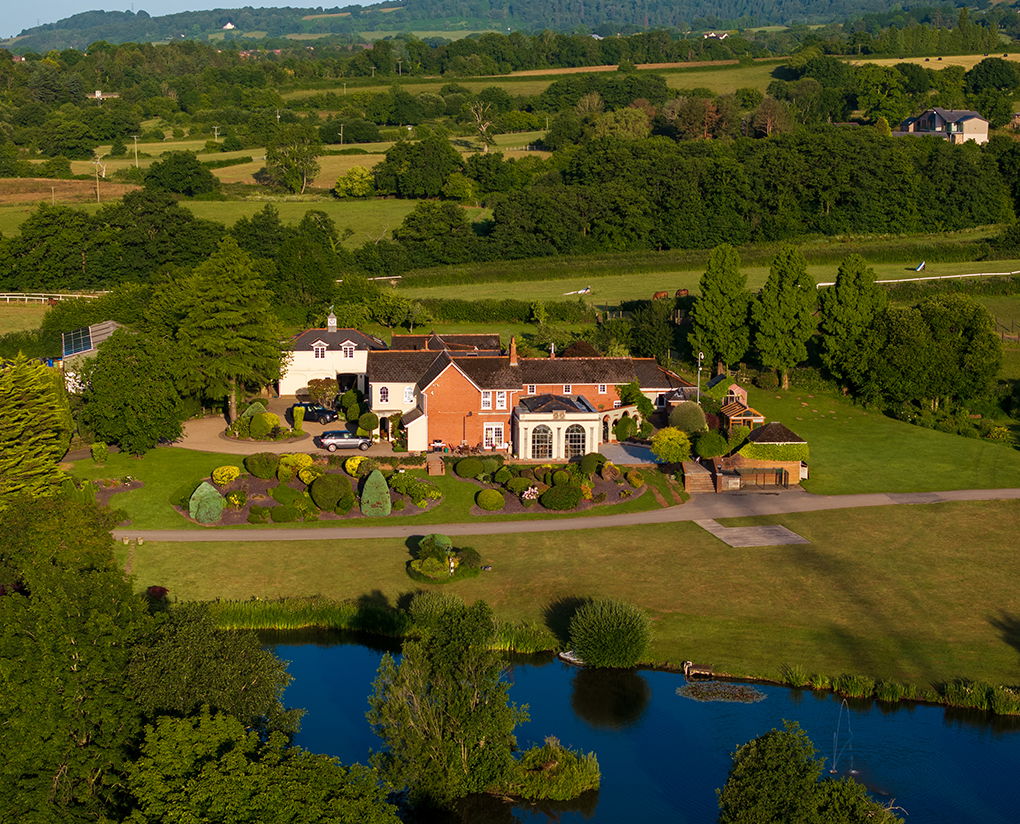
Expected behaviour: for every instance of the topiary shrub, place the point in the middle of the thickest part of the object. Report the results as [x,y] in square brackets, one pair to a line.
[434,545]
[564,496]
[328,490]
[258,514]
[284,514]
[710,445]
[345,504]
[688,417]
[635,479]
[99,452]
[206,505]
[351,465]
[262,465]
[560,477]
[223,475]
[285,474]
[310,473]
[491,464]
[297,461]
[591,462]
[607,633]
[263,424]
[367,466]
[502,476]
[518,485]
[490,500]
[375,496]
[624,428]
[299,418]
[368,421]
[469,467]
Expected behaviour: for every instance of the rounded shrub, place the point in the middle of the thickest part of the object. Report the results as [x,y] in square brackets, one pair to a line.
[607,633]
[635,479]
[434,545]
[490,500]
[327,490]
[310,473]
[367,466]
[490,465]
[297,461]
[284,514]
[206,505]
[258,514]
[351,465]
[223,475]
[518,485]
[237,498]
[469,467]
[262,424]
[375,496]
[502,476]
[688,417]
[710,445]
[560,477]
[368,421]
[262,465]
[591,462]
[564,496]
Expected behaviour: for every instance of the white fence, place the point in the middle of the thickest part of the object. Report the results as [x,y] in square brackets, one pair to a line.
[40,297]
[938,277]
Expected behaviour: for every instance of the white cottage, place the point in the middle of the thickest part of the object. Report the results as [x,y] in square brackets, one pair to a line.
[328,353]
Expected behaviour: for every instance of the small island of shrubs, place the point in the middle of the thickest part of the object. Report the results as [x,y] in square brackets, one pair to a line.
[435,560]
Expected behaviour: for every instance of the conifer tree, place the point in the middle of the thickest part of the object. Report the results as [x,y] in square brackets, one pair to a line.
[228,331]
[719,316]
[782,313]
[850,308]
[34,429]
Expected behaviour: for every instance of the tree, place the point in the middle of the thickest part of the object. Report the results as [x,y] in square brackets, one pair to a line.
[772,117]
[292,158]
[849,310]
[671,445]
[208,767]
[782,313]
[355,182]
[719,316]
[630,394]
[182,173]
[229,336]
[480,115]
[775,777]
[444,713]
[129,391]
[323,390]
[993,74]
[34,430]
[417,169]
[689,417]
[652,331]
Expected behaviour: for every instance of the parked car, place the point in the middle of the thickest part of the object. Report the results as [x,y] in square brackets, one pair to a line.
[342,439]
[314,412]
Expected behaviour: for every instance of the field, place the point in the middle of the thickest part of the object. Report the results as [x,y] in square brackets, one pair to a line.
[20,317]
[967,61]
[32,190]
[915,593]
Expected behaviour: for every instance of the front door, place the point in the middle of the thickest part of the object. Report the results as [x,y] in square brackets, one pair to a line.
[493,435]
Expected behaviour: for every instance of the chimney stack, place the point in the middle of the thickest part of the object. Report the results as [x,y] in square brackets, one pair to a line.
[331,322]
[552,350]
[513,351]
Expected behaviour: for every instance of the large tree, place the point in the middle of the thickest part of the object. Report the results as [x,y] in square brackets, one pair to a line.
[182,173]
[229,335]
[850,308]
[444,712]
[292,158]
[719,316]
[783,314]
[129,391]
[34,429]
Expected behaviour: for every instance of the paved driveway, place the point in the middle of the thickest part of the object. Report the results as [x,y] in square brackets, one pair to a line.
[628,453]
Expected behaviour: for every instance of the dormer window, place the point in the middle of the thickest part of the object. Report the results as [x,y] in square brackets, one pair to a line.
[319,349]
[347,350]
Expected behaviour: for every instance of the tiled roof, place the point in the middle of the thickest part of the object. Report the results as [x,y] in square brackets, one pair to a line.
[553,403]
[410,417]
[599,370]
[774,432]
[398,366]
[304,341]
[953,115]
[452,342]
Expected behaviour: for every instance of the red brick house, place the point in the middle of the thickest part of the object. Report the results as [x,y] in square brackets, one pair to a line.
[536,408]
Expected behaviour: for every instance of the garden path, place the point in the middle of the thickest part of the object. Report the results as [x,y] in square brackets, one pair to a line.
[699,508]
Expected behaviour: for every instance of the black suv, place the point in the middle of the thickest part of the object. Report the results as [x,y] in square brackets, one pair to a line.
[314,412]
[336,439]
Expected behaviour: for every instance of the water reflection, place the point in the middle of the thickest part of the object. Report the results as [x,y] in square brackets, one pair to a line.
[610,699]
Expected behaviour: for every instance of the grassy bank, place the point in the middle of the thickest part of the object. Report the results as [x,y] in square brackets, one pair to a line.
[912,593]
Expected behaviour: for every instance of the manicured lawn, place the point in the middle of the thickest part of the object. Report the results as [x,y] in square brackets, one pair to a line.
[163,471]
[18,317]
[910,592]
[854,450]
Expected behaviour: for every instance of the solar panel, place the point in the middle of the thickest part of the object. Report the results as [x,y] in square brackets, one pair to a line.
[80,340]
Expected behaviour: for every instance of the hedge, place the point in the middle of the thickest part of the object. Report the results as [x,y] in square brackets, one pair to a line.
[506,310]
[775,452]
[284,514]
[490,500]
[469,467]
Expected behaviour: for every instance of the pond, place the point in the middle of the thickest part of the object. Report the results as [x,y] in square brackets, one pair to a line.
[663,756]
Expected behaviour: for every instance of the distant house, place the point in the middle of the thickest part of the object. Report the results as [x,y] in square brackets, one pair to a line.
[715,35]
[954,125]
[228,26]
[100,96]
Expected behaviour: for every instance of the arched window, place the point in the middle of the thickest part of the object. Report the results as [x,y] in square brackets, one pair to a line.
[574,441]
[384,394]
[541,442]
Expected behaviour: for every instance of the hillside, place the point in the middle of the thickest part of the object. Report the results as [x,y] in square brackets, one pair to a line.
[600,16]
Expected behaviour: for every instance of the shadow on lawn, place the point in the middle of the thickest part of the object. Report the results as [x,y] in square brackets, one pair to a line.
[558,614]
[1009,626]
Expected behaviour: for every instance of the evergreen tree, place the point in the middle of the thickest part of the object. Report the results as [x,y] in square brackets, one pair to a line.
[444,712]
[34,429]
[130,394]
[782,313]
[850,308]
[228,333]
[719,316]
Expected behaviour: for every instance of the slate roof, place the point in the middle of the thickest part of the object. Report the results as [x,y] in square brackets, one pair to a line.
[954,115]
[304,341]
[774,433]
[410,417]
[399,366]
[554,403]
[452,342]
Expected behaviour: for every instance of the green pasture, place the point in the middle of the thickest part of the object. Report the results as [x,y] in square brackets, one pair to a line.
[20,317]
[915,593]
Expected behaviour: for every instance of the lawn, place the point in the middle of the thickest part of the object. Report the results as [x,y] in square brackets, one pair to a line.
[19,317]
[915,593]
[162,471]
[854,450]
